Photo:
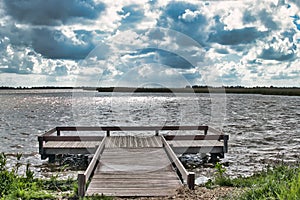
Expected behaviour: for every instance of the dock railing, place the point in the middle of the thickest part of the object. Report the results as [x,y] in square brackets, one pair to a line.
[188,177]
[84,177]
[51,136]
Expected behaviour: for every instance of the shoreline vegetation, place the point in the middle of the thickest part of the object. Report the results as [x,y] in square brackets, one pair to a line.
[281,181]
[285,91]
[288,91]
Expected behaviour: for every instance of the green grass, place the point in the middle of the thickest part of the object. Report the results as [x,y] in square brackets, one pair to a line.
[280,182]
[25,186]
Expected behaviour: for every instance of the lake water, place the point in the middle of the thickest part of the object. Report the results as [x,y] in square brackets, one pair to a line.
[262,129]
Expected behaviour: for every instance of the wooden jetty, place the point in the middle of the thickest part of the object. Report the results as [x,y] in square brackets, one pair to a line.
[129,165]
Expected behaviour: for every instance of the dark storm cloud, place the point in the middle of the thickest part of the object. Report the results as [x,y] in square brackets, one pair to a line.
[53,44]
[272,54]
[52,12]
[236,36]
[166,58]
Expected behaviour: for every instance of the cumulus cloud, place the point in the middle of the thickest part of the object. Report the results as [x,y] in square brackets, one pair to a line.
[132,15]
[54,12]
[236,36]
[213,42]
[55,44]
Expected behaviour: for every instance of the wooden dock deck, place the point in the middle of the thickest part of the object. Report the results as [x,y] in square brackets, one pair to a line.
[134,172]
[133,165]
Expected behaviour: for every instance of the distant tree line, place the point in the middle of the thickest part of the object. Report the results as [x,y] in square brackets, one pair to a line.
[32,88]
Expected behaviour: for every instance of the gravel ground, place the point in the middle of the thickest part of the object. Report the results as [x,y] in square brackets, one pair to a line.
[200,193]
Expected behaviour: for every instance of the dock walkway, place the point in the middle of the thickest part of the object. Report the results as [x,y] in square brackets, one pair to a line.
[138,171]
[124,165]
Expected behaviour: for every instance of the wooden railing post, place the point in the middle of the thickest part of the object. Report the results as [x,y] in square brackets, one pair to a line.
[41,143]
[191,180]
[81,185]
[226,144]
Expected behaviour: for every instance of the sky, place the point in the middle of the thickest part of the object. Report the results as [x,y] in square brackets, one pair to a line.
[149,43]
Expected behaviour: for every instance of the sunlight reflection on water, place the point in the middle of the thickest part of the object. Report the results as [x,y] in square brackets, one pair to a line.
[262,129]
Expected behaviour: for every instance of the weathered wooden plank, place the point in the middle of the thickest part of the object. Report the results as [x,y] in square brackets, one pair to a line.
[69,151]
[139,171]
[84,177]
[189,177]
[72,138]
[132,192]
[132,142]
[195,150]
[95,159]
[195,143]
[195,137]
[136,176]
[130,128]
[131,165]
[70,145]
[174,159]
[130,183]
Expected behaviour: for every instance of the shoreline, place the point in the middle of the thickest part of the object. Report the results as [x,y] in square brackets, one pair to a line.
[276,181]
[282,91]
[229,90]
